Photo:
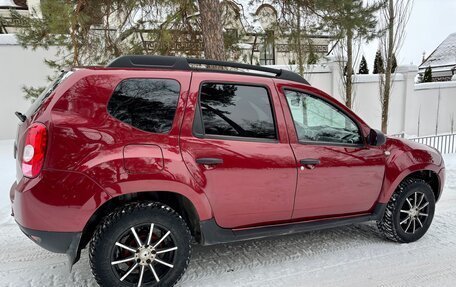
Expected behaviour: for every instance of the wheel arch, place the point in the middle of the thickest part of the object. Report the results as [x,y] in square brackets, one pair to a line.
[430,177]
[428,173]
[180,203]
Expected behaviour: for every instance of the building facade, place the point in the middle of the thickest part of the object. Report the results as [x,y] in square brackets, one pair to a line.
[254,33]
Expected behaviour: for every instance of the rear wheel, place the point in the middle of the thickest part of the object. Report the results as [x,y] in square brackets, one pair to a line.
[409,212]
[143,244]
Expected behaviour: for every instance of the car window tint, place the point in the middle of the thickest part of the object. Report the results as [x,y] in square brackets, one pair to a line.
[317,120]
[147,104]
[237,110]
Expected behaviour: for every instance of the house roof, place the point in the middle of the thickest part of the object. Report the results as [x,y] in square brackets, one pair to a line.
[444,55]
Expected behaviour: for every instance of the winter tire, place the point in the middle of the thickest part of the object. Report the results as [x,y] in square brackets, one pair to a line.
[409,212]
[142,244]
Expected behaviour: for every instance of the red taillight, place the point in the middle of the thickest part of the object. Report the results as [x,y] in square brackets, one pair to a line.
[34,150]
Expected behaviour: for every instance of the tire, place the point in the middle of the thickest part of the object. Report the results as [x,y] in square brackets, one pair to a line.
[118,259]
[409,212]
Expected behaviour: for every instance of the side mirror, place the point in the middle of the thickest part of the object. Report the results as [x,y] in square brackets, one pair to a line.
[376,138]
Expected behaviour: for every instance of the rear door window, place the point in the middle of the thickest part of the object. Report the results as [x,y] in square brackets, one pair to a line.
[147,104]
[233,110]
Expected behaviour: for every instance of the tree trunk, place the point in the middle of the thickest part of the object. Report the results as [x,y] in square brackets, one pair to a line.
[211,27]
[299,44]
[349,76]
[389,63]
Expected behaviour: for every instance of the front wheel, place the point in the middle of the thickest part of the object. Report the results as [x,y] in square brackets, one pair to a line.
[142,244]
[409,212]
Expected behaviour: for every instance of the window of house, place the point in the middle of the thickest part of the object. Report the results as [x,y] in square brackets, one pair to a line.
[318,121]
[147,104]
[267,52]
[236,110]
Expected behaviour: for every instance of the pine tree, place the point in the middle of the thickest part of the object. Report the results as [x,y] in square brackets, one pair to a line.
[394,64]
[349,20]
[363,69]
[378,63]
[75,26]
[427,75]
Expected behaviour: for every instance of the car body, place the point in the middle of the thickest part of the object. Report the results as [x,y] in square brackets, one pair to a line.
[226,187]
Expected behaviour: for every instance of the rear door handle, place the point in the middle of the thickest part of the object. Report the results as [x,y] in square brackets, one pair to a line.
[209,160]
[309,161]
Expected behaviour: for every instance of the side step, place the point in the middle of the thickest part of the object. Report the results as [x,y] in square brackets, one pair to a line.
[214,234]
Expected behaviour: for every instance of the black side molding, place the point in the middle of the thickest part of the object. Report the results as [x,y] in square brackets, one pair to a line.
[214,234]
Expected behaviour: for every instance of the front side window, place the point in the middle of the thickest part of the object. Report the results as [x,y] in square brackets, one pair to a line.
[147,104]
[236,110]
[318,121]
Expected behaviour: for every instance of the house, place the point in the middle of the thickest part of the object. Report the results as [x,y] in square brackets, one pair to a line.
[9,24]
[266,40]
[254,32]
[442,61]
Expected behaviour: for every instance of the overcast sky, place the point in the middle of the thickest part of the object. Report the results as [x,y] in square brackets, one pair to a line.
[431,21]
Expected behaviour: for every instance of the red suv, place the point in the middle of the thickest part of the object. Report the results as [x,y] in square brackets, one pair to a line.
[144,157]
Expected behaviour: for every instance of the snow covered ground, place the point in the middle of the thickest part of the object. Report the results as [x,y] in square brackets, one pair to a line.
[348,256]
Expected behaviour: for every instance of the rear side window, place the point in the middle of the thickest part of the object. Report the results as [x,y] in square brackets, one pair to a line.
[147,104]
[237,110]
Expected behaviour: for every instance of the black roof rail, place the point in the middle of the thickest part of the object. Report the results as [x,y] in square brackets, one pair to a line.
[180,63]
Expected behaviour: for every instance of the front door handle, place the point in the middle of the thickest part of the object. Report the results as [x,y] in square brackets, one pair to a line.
[309,162]
[209,160]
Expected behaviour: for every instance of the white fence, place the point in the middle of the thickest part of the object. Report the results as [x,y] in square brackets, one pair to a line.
[18,67]
[443,143]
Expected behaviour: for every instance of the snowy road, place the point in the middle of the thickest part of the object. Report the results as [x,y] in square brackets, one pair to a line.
[349,256]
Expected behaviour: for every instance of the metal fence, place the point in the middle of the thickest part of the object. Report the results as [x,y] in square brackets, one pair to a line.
[444,143]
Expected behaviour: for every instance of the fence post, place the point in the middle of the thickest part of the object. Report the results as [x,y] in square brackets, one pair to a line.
[410,113]
[337,87]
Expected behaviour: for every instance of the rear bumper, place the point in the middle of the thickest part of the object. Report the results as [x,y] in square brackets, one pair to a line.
[58,242]
[56,201]
[54,208]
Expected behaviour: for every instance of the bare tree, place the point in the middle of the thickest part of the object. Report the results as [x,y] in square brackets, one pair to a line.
[393,18]
[347,54]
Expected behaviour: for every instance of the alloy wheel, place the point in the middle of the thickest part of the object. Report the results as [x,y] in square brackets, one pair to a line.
[414,212]
[143,255]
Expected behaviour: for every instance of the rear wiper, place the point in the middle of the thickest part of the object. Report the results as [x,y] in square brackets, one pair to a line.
[21,116]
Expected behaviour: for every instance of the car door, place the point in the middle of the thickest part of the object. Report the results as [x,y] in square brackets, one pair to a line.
[235,145]
[339,174]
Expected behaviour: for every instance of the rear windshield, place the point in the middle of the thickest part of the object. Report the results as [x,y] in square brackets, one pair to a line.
[47,92]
